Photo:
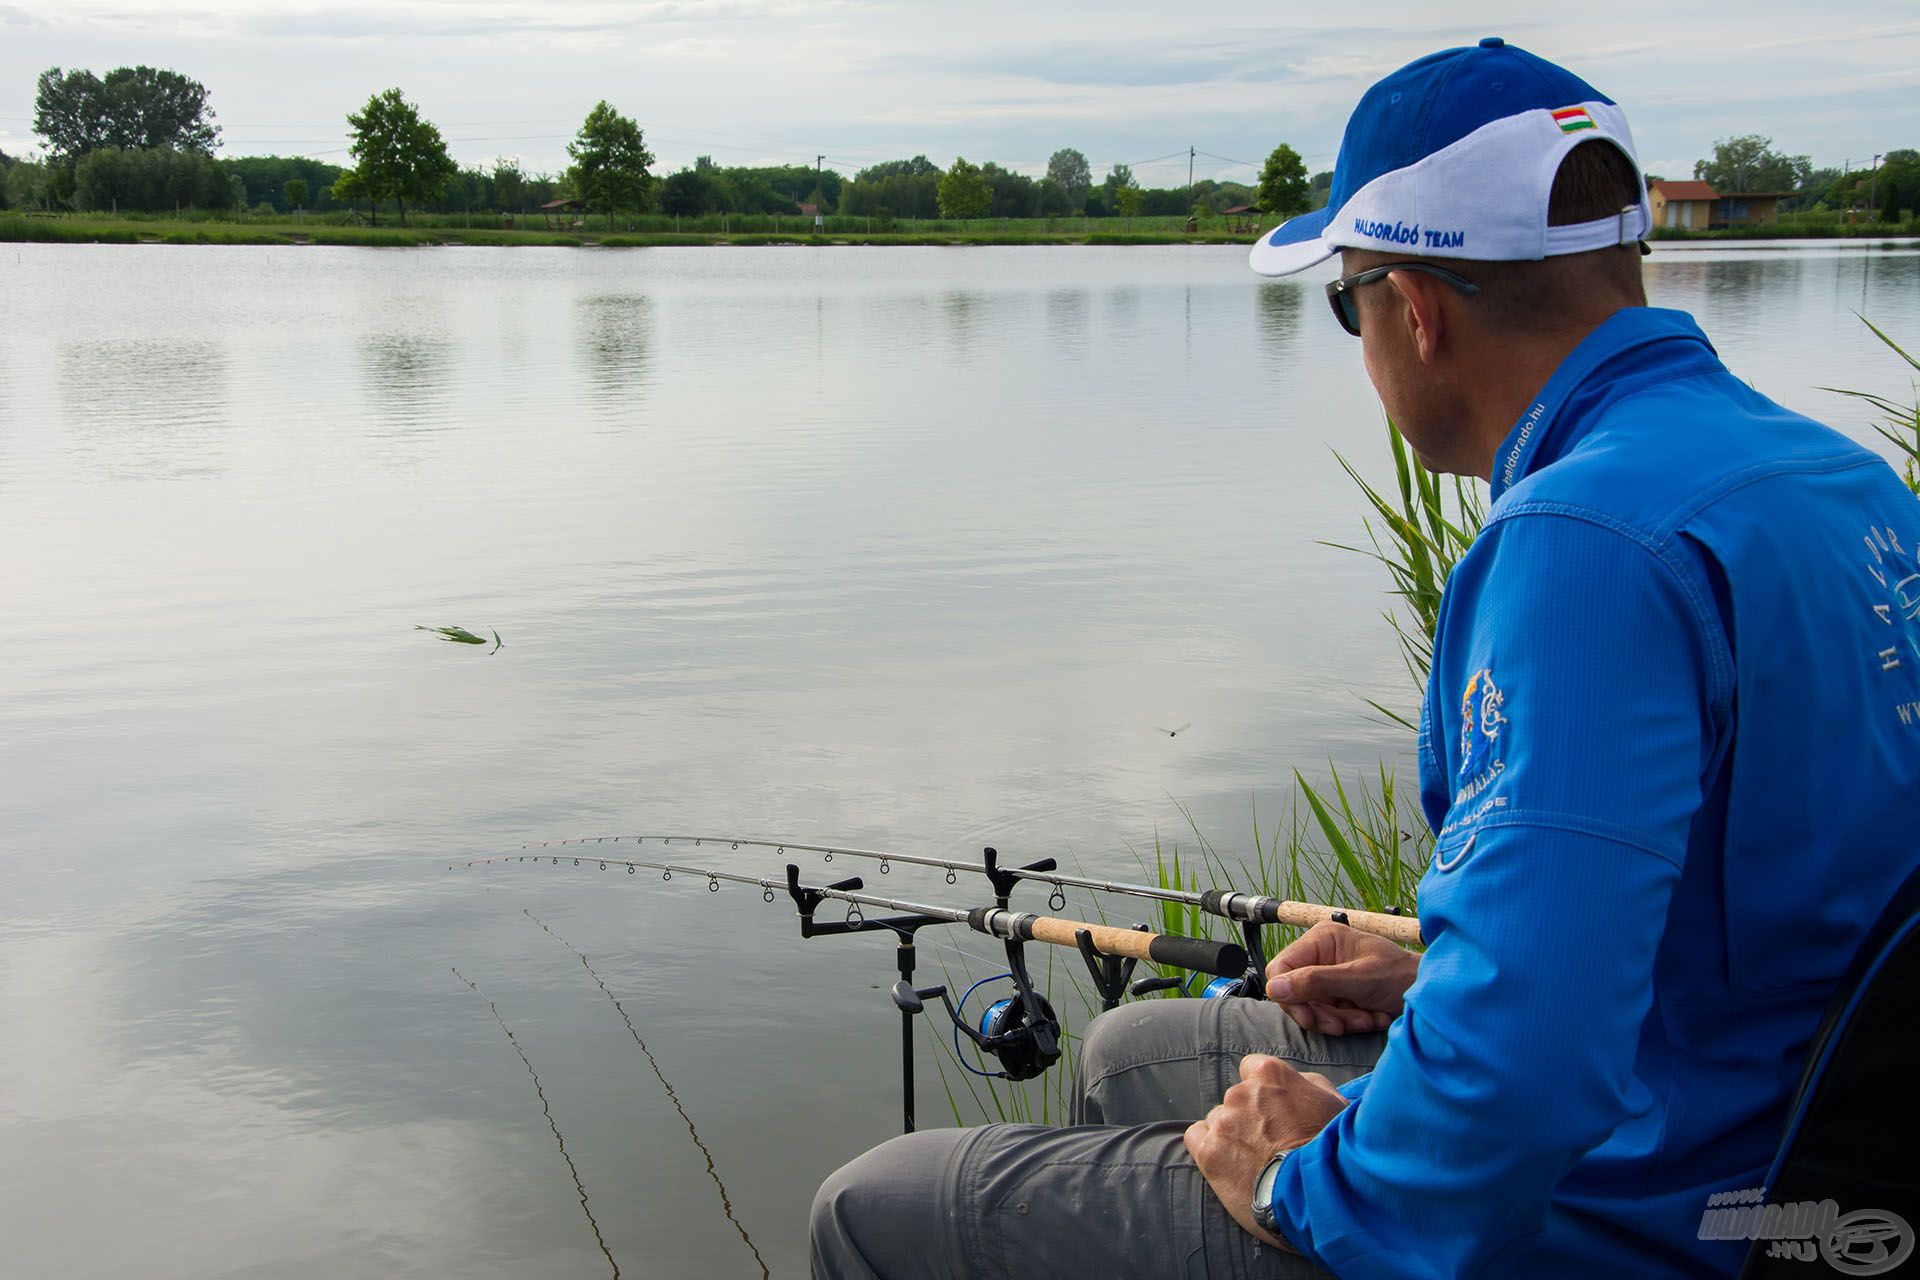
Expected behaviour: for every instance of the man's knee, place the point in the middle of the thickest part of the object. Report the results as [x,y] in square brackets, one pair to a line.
[870,1216]
[1173,1059]
[1143,1031]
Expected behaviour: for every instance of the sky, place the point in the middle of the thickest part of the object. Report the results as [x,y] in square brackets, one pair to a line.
[783,81]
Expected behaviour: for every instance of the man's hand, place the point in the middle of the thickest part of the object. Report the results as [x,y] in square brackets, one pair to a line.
[1336,980]
[1274,1108]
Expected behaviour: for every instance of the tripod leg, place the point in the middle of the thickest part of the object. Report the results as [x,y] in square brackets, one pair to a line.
[904,955]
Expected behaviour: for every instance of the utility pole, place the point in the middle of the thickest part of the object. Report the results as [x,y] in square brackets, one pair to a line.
[819,217]
[1873,190]
[1190,177]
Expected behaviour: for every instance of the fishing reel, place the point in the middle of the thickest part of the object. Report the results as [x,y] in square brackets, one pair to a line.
[1215,989]
[1021,1032]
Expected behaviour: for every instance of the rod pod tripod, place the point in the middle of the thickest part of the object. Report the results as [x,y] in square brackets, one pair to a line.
[1021,1033]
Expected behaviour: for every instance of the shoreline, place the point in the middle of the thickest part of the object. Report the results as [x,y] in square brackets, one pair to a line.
[42,228]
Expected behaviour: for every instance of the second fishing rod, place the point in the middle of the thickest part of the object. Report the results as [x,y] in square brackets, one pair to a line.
[1021,1032]
[1250,911]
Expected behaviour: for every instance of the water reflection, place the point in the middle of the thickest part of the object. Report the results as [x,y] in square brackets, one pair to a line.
[961,309]
[616,333]
[149,408]
[1279,302]
[233,1036]
[409,377]
[1123,309]
[1067,320]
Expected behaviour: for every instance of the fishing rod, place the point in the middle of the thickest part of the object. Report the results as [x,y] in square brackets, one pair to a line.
[1022,1032]
[1199,954]
[1251,911]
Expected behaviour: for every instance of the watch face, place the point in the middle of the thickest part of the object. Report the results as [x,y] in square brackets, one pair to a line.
[1263,1185]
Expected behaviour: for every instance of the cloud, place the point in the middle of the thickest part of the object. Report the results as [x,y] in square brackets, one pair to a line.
[426,18]
[1268,55]
[1859,35]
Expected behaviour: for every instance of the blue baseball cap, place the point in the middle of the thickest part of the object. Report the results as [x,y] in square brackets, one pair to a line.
[1453,156]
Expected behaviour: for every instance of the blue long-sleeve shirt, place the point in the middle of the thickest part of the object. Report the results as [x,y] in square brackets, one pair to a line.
[1671,753]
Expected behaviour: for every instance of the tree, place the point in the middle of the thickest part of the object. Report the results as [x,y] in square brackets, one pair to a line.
[1014,194]
[509,185]
[908,188]
[964,192]
[1118,177]
[295,191]
[133,107]
[150,178]
[1053,198]
[350,189]
[1284,188]
[1749,163]
[397,155]
[1129,199]
[1069,168]
[1320,190]
[610,161]
[685,194]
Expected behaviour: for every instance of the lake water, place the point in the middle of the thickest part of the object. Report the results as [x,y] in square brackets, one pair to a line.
[908,548]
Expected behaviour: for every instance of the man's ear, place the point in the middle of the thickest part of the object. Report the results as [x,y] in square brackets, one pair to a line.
[1421,311]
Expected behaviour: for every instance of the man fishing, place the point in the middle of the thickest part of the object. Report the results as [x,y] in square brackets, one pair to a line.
[1670,752]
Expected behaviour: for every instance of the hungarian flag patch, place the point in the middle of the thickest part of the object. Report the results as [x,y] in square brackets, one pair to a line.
[1573,119]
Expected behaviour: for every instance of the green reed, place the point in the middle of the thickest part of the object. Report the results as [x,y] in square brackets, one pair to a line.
[1902,428]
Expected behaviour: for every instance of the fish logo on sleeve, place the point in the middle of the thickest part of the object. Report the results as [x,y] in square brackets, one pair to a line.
[1482,718]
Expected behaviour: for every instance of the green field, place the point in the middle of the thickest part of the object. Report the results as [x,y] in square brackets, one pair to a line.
[654,230]
[647,230]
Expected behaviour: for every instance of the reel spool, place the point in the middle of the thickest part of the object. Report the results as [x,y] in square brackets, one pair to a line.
[1007,1035]
[1024,1043]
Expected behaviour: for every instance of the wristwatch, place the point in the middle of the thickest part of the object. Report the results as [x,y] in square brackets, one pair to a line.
[1263,1195]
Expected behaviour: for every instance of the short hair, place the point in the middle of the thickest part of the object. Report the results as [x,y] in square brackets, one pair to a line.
[1595,180]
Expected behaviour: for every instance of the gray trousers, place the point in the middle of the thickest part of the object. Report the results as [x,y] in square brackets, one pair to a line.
[1113,1194]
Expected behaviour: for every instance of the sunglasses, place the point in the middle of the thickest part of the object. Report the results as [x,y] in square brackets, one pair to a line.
[1347,312]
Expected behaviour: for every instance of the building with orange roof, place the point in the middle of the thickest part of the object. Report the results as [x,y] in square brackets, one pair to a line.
[1697,205]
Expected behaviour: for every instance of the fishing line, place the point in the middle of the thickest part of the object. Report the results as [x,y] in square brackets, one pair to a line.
[961,1058]
[540,1089]
[1022,1032]
[726,1201]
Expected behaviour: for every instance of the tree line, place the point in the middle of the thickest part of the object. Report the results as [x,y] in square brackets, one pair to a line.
[143,140]
[1750,162]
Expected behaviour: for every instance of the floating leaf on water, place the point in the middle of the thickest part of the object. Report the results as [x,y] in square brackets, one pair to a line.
[460,635]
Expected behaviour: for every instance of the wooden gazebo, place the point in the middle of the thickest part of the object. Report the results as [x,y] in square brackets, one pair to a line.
[565,209]
[1242,219]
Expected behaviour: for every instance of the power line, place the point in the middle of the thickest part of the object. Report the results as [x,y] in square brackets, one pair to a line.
[1141,164]
[1230,160]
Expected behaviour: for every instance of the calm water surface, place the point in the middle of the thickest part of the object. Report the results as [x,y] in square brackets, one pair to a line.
[908,548]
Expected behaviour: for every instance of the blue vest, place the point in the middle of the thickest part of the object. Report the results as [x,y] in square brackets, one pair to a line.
[1671,754]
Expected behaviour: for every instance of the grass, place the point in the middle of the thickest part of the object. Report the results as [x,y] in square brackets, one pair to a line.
[200,226]
[1351,838]
[651,232]
[1902,428]
[1820,224]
